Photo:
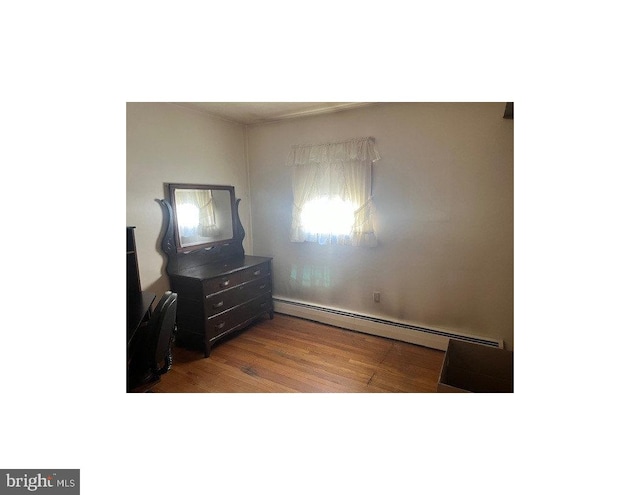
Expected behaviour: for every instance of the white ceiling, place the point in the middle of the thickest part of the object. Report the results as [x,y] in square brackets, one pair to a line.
[254,113]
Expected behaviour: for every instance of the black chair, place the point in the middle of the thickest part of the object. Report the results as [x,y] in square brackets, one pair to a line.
[152,356]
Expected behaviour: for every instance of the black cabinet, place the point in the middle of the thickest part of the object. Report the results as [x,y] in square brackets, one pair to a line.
[133,273]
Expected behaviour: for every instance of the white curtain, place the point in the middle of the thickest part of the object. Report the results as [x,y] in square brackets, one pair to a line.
[334,170]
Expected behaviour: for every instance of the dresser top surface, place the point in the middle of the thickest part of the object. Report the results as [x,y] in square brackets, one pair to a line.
[217,269]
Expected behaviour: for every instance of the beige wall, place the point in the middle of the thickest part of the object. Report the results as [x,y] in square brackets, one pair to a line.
[443,193]
[168,143]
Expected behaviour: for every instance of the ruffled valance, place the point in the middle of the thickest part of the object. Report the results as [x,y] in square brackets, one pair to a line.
[359,149]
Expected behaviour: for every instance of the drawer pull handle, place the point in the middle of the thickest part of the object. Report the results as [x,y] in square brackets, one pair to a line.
[220,326]
[262,286]
[225,283]
[219,305]
[263,305]
[257,272]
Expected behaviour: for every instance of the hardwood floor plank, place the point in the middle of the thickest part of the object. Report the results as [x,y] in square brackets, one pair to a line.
[289,354]
[318,364]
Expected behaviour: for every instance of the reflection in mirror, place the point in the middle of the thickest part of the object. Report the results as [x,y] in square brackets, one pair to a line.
[204,214]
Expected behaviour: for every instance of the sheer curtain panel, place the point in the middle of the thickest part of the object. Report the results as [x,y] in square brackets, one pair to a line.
[332,192]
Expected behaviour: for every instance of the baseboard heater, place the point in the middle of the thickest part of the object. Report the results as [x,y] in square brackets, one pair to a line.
[414,334]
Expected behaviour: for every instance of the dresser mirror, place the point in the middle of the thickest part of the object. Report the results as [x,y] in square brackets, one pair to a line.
[204,215]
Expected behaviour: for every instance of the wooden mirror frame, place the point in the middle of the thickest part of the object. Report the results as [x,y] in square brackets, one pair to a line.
[184,257]
[202,187]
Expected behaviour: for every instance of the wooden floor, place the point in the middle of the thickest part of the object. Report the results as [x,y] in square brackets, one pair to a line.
[289,354]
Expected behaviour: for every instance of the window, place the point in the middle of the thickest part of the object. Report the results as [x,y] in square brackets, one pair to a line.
[328,215]
[332,192]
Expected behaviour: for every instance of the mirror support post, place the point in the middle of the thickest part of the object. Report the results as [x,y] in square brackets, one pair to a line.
[168,241]
[168,244]
[239,232]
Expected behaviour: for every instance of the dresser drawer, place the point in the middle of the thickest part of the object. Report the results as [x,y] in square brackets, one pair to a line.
[227,321]
[261,270]
[225,282]
[227,299]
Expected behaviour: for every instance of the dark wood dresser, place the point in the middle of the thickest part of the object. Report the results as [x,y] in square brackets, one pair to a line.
[220,289]
[217,299]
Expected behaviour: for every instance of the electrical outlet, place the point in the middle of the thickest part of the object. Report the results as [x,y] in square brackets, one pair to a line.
[376,297]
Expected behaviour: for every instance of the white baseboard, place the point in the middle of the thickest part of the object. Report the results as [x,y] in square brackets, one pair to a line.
[405,332]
